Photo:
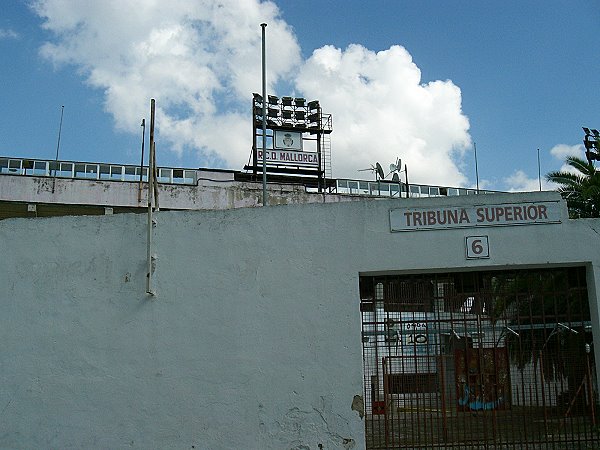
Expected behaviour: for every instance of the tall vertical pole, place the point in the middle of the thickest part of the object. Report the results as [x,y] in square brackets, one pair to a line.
[406,177]
[155,177]
[62,110]
[143,125]
[476,167]
[150,190]
[539,170]
[264,115]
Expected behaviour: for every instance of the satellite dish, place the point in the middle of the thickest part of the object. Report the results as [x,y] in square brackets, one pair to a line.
[395,178]
[379,171]
[396,167]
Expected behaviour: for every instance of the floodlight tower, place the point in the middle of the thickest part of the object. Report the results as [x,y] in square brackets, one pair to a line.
[293,139]
[591,141]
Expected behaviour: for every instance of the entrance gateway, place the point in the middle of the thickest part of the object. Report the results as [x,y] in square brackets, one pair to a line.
[478,358]
[485,359]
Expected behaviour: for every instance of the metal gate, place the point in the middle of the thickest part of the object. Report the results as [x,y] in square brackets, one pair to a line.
[474,360]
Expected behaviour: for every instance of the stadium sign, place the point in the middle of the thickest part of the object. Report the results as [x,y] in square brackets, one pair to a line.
[505,214]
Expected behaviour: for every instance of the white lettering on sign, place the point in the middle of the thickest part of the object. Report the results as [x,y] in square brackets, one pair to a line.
[413,219]
[289,157]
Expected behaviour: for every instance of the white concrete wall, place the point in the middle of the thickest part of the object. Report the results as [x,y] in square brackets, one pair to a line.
[208,194]
[253,339]
[248,344]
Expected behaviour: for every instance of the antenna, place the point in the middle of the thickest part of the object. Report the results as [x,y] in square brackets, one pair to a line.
[476,166]
[62,110]
[407,185]
[372,169]
[539,170]
[377,170]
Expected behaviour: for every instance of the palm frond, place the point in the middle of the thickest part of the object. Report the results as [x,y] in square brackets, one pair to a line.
[581,189]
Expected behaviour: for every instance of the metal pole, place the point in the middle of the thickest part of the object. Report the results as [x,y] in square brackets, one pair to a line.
[476,167]
[154,177]
[590,387]
[150,187]
[539,170]
[264,115]
[62,110]
[407,185]
[143,125]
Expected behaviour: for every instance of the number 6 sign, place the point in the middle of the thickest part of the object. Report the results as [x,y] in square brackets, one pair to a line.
[477,247]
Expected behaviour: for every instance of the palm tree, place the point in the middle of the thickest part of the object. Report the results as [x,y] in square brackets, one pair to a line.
[581,189]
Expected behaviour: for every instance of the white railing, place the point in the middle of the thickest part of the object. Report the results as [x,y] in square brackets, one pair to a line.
[168,175]
[93,171]
[398,190]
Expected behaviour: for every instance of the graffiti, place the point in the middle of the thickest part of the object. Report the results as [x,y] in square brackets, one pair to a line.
[477,404]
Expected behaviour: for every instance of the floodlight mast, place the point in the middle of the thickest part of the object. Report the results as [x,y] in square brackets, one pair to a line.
[591,141]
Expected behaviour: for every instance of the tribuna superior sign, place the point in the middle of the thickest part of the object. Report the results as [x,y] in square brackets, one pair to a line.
[412,219]
[294,142]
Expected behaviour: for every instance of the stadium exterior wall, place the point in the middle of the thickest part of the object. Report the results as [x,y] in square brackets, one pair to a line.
[253,339]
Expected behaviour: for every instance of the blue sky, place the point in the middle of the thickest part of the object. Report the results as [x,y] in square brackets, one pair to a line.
[419,80]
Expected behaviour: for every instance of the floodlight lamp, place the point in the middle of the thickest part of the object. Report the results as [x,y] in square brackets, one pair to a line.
[273,100]
[299,101]
[299,115]
[286,101]
[591,156]
[590,144]
[313,117]
[586,130]
[313,104]
[257,97]
[595,132]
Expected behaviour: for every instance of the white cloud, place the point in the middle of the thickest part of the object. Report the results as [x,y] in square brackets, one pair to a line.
[561,151]
[520,182]
[201,61]
[6,33]
[382,111]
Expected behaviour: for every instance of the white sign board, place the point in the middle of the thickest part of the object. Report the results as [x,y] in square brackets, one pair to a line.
[473,216]
[287,157]
[413,336]
[288,140]
[477,247]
